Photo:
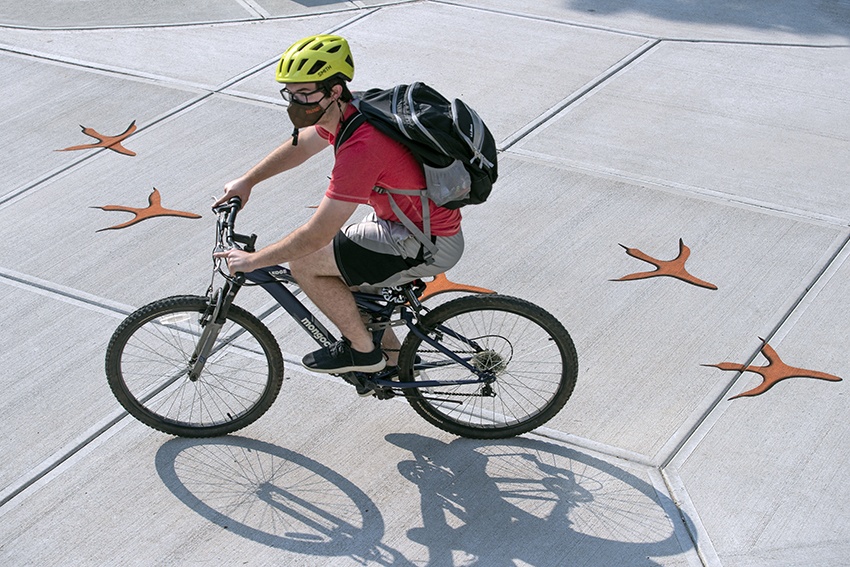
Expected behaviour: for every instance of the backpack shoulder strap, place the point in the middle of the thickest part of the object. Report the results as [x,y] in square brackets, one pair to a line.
[423,236]
[349,126]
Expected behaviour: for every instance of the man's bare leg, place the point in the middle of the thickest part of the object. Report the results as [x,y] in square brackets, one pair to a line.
[319,277]
[389,341]
[391,345]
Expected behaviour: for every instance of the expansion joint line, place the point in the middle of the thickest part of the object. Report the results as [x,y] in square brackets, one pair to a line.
[582,93]
[828,265]
[257,14]
[105,426]
[745,43]
[14,194]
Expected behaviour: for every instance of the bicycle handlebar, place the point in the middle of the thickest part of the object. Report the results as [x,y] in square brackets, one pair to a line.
[226,234]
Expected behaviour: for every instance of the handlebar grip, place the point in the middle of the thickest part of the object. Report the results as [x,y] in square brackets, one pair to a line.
[232,204]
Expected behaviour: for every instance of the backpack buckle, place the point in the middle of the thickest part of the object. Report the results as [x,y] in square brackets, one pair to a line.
[427,256]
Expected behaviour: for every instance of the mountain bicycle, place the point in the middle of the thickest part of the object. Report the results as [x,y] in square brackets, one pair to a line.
[479,366]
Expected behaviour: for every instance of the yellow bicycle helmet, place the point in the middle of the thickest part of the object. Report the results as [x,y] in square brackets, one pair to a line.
[314,59]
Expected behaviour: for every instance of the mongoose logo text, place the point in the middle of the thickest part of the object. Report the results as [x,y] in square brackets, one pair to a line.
[317,334]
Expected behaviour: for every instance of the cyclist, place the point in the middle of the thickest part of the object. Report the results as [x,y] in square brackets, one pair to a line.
[326,259]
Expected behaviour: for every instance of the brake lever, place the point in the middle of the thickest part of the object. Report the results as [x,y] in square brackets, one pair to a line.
[248,241]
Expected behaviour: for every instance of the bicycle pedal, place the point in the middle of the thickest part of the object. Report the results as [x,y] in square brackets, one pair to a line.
[365,391]
[383,393]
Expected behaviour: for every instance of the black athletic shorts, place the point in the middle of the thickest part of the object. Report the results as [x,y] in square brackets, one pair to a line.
[381,253]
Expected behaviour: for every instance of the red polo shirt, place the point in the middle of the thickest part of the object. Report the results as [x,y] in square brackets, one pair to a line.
[371,159]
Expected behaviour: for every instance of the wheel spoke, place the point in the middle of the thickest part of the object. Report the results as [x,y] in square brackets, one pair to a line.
[149,357]
[528,351]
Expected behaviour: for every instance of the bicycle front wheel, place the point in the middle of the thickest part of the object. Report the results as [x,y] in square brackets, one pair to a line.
[528,351]
[149,359]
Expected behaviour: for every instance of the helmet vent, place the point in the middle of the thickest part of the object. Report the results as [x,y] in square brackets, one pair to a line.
[317,66]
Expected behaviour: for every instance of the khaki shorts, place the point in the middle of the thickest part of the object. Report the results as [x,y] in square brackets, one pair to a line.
[381,253]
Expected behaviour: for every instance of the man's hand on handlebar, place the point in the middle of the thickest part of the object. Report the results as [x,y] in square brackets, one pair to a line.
[236,188]
[237,260]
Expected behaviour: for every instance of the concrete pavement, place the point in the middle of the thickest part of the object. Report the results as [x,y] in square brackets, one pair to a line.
[723,127]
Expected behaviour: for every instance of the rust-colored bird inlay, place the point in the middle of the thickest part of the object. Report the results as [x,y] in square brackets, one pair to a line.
[441,284]
[110,142]
[774,371]
[673,268]
[154,209]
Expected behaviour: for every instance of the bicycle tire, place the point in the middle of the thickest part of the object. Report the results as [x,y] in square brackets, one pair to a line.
[147,369]
[530,352]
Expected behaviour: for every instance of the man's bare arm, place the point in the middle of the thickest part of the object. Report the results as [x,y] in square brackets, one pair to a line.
[283,158]
[315,234]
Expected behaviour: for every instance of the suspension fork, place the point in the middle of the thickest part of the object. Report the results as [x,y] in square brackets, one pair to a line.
[212,321]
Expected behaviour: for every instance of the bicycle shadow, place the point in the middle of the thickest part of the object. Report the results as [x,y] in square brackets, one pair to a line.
[493,503]
[526,501]
[275,497]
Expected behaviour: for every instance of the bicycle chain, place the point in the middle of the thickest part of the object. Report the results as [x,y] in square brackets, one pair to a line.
[457,394]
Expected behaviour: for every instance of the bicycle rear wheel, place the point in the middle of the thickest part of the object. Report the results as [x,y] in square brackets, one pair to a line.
[148,363]
[530,353]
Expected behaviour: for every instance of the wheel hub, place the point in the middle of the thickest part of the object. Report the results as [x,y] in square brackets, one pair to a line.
[489,361]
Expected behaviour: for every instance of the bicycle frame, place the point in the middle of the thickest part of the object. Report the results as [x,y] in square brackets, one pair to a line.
[274,279]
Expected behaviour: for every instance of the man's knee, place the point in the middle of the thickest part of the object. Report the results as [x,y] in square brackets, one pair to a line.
[299,267]
[319,263]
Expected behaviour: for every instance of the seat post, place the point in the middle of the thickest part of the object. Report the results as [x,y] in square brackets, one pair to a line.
[412,297]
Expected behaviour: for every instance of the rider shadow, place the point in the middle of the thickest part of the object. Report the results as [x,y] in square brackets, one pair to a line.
[526,501]
[275,497]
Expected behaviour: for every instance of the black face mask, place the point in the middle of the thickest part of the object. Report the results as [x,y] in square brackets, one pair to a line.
[303,115]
